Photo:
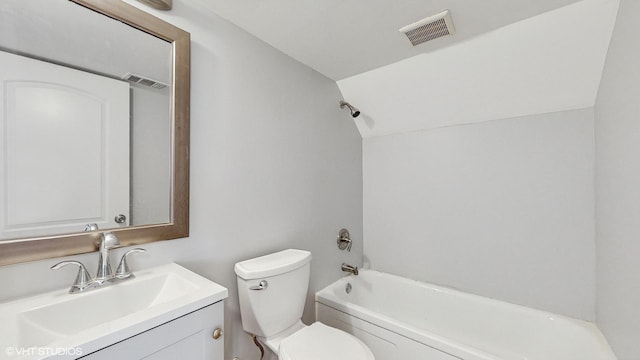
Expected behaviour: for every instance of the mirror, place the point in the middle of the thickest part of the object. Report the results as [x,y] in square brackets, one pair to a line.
[95,127]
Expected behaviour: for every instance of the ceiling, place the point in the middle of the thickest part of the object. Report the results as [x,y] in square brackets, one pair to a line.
[67,34]
[548,63]
[343,38]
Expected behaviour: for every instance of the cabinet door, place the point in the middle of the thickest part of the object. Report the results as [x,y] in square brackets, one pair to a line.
[187,337]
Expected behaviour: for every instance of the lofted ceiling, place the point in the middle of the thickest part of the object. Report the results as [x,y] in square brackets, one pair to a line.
[343,38]
[548,63]
[508,58]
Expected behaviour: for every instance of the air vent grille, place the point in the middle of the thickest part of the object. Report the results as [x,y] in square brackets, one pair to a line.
[137,79]
[430,28]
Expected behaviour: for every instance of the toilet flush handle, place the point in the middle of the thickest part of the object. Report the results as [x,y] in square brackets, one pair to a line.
[263,285]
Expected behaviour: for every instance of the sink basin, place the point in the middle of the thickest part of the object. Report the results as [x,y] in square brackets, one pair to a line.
[90,321]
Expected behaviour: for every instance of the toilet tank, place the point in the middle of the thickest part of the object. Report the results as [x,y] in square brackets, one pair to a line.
[280,304]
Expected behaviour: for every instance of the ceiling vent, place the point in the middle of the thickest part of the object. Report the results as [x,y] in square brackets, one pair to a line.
[141,80]
[429,28]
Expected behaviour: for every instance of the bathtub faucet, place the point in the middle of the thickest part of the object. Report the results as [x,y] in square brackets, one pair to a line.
[350,269]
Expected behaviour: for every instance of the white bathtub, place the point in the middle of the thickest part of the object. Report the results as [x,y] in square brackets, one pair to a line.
[400,318]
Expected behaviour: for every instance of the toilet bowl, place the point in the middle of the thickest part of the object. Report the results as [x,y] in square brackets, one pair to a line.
[272,290]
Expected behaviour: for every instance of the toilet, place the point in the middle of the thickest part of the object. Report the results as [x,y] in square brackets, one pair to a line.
[272,290]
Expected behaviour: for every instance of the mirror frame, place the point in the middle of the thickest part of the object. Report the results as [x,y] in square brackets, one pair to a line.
[30,249]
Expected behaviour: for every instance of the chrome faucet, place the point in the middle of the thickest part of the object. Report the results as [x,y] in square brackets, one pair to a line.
[108,242]
[83,281]
[104,275]
[350,269]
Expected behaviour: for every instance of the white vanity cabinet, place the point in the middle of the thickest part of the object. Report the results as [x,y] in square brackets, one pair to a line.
[164,312]
[187,337]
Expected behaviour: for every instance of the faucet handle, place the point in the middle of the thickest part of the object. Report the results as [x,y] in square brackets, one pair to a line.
[82,279]
[344,240]
[123,270]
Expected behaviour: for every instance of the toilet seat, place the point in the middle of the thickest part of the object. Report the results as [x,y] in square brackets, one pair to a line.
[321,342]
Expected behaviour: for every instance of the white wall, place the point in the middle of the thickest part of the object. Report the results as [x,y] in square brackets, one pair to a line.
[502,209]
[617,114]
[275,163]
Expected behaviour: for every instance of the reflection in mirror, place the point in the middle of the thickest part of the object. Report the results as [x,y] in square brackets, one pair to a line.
[86,133]
[95,127]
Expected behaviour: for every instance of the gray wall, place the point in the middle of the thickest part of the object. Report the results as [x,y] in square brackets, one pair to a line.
[617,114]
[150,179]
[502,209]
[275,164]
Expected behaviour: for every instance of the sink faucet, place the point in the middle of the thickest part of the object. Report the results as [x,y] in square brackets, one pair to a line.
[104,276]
[350,269]
[108,241]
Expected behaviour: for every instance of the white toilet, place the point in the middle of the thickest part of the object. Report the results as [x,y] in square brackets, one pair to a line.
[272,291]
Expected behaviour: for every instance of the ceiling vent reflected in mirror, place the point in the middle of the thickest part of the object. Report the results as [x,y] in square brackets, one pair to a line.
[158,4]
[430,28]
[141,80]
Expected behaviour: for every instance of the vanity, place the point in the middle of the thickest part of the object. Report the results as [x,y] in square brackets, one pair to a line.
[165,312]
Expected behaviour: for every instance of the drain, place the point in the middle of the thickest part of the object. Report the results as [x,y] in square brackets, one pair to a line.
[348,288]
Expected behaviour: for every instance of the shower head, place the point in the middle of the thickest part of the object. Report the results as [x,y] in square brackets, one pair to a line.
[354,111]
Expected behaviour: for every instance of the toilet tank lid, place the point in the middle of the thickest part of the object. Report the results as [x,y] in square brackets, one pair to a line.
[272,264]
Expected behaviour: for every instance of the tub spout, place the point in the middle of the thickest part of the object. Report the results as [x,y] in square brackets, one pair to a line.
[350,269]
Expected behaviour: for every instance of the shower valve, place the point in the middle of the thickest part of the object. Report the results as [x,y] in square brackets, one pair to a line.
[344,240]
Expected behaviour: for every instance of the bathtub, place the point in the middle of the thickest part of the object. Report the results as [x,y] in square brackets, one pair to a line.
[400,318]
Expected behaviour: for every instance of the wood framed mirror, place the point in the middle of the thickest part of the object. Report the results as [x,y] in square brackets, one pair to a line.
[175,224]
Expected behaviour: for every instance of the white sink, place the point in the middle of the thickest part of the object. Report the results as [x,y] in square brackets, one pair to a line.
[34,327]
